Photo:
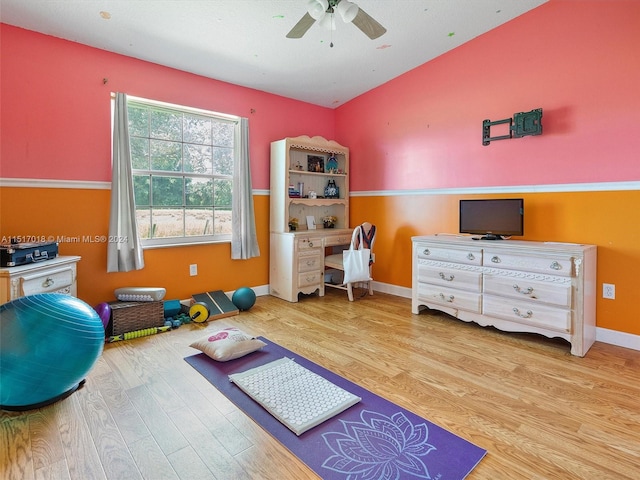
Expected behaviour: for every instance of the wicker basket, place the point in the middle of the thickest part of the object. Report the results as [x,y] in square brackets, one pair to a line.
[131,316]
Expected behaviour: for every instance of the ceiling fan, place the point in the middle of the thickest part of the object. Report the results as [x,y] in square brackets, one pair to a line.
[323,11]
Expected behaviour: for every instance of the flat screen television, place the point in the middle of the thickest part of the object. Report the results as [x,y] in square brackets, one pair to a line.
[492,218]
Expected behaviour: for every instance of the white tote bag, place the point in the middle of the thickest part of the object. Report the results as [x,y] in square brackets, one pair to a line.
[356,261]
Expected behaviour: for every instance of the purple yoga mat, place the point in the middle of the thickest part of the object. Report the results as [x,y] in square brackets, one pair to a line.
[375,439]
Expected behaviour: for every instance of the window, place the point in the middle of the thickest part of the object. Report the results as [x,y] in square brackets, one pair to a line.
[182,164]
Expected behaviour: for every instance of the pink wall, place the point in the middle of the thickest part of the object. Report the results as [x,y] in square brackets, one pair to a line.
[56,113]
[578,61]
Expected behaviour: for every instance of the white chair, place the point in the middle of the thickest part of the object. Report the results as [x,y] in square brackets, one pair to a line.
[335,260]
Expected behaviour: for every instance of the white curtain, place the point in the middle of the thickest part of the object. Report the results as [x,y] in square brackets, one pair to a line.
[124,250]
[244,242]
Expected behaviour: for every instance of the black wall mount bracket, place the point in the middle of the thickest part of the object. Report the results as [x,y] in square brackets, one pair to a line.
[521,125]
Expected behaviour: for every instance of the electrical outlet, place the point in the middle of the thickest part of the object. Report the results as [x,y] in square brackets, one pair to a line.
[609,291]
[193,269]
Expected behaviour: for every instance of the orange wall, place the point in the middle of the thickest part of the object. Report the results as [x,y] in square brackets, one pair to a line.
[422,132]
[606,219]
[67,214]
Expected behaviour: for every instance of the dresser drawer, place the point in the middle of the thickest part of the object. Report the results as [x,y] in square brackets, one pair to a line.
[450,277]
[307,243]
[450,297]
[555,292]
[469,256]
[335,240]
[309,261]
[552,266]
[308,279]
[54,280]
[529,313]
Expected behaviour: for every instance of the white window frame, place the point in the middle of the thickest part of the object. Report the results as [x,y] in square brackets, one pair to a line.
[192,239]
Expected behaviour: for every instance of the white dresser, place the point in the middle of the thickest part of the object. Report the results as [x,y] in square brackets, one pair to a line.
[518,286]
[56,275]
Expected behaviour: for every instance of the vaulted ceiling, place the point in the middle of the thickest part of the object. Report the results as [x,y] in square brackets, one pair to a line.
[244,41]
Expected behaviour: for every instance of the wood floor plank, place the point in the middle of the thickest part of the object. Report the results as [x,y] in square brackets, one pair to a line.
[16,459]
[82,456]
[151,460]
[54,471]
[157,421]
[131,426]
[113,452]
[189,466]
[209,449]
[46,445]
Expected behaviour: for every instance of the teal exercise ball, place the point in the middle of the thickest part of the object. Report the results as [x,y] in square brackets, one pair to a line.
[48,344]
[244,298]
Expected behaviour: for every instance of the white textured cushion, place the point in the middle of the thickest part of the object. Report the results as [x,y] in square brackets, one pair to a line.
[334,261]
[297,397]
[227,344]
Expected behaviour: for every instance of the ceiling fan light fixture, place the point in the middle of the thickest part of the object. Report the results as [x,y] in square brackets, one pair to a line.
[328,22]
[347,10]
[317,8]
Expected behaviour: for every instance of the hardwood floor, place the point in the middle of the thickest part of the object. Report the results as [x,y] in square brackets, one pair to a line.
[145,413]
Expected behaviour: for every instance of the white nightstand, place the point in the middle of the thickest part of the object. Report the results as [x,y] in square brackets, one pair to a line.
[56,275]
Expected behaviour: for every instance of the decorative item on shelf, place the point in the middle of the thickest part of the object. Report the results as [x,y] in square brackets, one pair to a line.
[293,224]
[315,163]
[294,192]
[298,166]
[332,190]
[332,164]
[313,195]
[329,221]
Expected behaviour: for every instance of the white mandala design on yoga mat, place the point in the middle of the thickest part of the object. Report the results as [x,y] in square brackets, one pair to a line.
[379,447]
[297,397]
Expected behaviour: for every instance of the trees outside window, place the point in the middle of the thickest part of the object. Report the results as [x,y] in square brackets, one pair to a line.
[182,165]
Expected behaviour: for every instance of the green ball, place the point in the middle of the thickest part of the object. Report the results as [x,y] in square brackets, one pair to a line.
[244,298]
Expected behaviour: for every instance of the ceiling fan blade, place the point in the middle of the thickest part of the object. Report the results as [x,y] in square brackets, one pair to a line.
[301,27]
[370,27]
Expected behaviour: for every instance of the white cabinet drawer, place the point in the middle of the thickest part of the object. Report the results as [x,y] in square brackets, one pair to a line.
[309,262]
[306,243]
[51,281]
[557,293]
[467,256]
[450,297]
[308,279]
[529,313]
[335,240]
[553,266]
[450,277]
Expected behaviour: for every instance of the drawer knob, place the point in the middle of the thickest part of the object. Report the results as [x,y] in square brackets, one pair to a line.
[526,291]
[449,299]
[48,282]
[471,256]
[426,251]
[310,243]
[496,259]
[529,313]
[447,278]
[555,266]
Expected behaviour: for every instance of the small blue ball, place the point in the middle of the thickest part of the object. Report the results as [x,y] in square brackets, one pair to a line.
[244,298]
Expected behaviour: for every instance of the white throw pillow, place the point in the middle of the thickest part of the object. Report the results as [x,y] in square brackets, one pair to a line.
[227,344]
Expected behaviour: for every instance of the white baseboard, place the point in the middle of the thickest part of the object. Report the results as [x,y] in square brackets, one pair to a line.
[612,337]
